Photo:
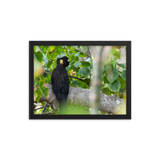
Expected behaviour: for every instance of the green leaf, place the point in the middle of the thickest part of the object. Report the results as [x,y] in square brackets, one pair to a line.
[35,48]
[35,82]
[49,64]
[71,62]
[107,66]
[124,74]
[45,91]
[43,49]
[112,74]
[80,83]
[38,98]
[82,55]
[39,56]
[115,86]
[48,56]
[74,68]
[72,57]
[86,86]
[106,85]
[102,77]
[122,90]
[77,55]
[87,80]
[74,83]
[40,84]
[107,91]
[85,64]
[66,52]
[106,80]
[53,55]
[59,50]
[36,95]
[51,48]
[48,78]
[39,92]
[118,55]
[114,64]
[123,82]
[113,50]
[77,64]
[122,65]
[84,71]
[63,54]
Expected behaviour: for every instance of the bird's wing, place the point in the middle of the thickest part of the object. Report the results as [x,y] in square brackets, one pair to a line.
[60,85]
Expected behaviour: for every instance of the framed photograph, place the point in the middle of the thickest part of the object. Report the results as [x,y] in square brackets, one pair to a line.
[79,79]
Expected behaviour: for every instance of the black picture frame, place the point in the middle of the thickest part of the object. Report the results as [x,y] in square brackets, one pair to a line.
[89,43]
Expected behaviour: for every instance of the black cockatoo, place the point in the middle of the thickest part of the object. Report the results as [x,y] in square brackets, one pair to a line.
[60,82]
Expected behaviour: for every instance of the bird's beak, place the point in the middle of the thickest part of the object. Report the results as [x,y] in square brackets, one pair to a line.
[68,60]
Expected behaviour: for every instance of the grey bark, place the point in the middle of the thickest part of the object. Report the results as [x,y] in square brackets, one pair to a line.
[96,81]
[79,96]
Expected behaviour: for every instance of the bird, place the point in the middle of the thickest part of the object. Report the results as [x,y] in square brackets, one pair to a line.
[60,82]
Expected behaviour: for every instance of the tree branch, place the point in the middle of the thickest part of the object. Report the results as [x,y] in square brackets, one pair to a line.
[38,108]
[44,108]
[79,96]
[70,76]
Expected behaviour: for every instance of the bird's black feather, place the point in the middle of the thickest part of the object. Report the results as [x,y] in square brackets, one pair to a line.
[60,82]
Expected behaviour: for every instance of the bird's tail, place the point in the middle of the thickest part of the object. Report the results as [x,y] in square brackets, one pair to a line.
[63,107]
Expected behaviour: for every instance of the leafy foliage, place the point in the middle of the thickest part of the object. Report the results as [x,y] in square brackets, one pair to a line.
[111,74]
[115,86]
[124,74]
[84,71]
[113,79]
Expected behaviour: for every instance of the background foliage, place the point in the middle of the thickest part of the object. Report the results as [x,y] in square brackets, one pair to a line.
[113,79]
